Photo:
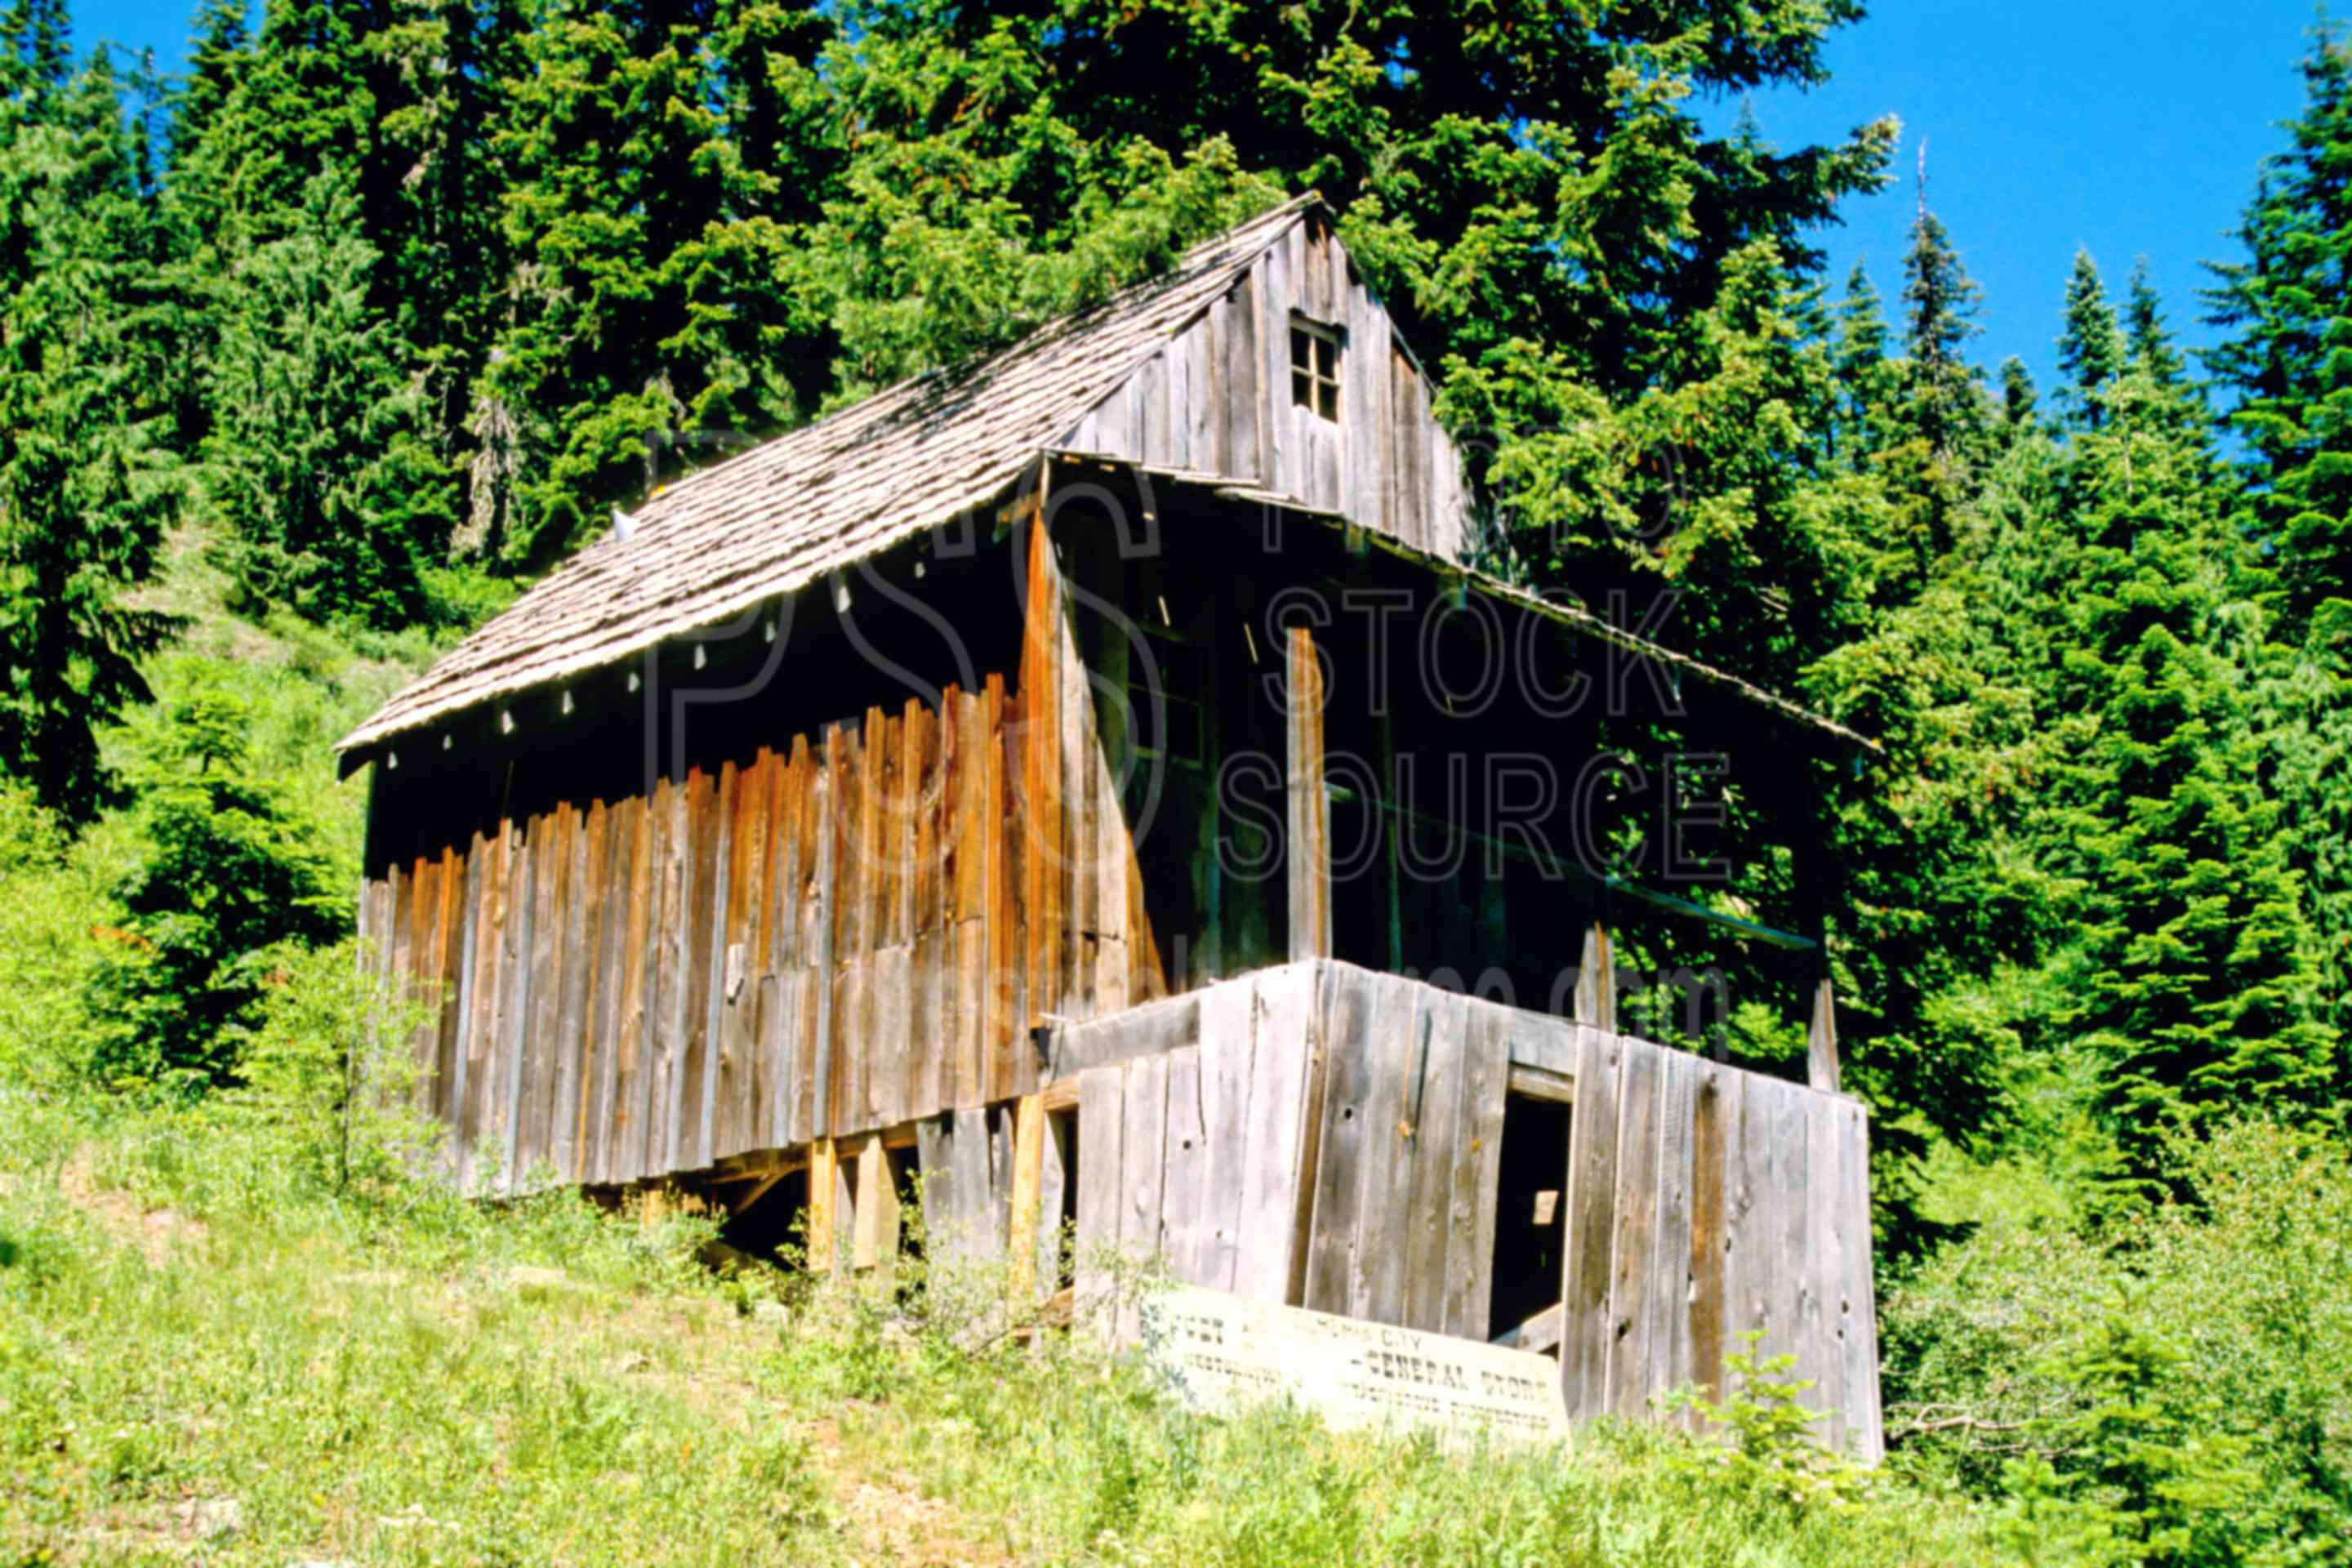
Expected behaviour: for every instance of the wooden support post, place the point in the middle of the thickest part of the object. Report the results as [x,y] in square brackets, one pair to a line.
[823,1174]
[1028,1186]
[1046,860]
[1596,982]
[1816,881]
[877,1224]
[1309,834]
[1821,1040]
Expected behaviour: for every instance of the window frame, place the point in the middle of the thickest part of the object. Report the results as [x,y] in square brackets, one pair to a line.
[1314,385]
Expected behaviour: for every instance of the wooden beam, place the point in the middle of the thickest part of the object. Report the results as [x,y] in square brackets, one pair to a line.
[823,1176]
[1309,858]
[759,1167]
[876,1244]
[1028,1182]
[1821,1040]
[1542,1083]
[1596,982]
[1540,1333]
[759,1190]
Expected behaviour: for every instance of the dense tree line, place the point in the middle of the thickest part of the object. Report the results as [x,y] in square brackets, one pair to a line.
[385,303]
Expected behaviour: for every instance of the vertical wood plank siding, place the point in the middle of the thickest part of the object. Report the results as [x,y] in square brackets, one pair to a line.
[1701,1202]
[1217,400]
[853,929]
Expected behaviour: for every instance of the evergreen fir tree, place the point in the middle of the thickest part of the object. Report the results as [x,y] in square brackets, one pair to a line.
[2018,397]
[2091,349]
[320,456]
[2289,358]
[231,870]
[1939,430]
[2145,333]
[219,54]
[605,140]
[1858,354]
[36,37]
[83,499]
[2197,973]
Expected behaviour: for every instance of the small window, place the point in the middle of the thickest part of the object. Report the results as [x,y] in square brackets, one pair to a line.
[1315,367]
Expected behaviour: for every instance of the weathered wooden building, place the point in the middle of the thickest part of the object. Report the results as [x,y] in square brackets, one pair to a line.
[1051,777]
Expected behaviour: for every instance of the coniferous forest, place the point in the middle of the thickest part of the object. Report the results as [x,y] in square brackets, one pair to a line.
[315,352]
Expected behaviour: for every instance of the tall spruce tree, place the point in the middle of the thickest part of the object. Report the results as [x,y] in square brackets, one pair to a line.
[2091,348]
[1858,354]
[2146,335]
[605,140]
[83,496]
[2196,977]
[320,456]
[2019,399]
[1939,432]
[2288,360]
[37,37]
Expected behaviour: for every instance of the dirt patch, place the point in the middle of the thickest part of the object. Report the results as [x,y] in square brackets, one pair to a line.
[883,1523]
[156,1232]
[891,1524]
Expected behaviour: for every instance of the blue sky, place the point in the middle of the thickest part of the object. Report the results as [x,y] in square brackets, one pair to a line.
[2128,128]
[2131,127]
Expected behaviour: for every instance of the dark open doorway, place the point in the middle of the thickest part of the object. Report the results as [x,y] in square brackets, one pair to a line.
[1530,1211]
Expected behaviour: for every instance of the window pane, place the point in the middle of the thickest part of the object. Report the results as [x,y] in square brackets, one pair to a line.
[1298,351]
[1326,357]
[1299,393]
[1330,399]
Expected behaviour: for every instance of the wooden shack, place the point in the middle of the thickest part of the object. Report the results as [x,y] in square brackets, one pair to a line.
[1085,778]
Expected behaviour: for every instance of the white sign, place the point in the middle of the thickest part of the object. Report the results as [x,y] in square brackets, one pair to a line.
[1226,1353]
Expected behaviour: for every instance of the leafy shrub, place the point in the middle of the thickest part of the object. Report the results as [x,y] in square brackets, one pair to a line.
[231,871]
[329,1068]
[48,944]
[2176,1394]
[1766,1445]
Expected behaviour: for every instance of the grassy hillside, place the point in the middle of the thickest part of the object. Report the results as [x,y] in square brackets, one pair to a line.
[235,1327]
[206,1356]
[214,1347]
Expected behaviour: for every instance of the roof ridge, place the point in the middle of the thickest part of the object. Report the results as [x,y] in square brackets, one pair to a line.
[1218,249]
[765,520]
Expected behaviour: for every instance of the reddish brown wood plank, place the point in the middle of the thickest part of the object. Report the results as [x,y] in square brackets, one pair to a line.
[665,983]
[579,960]
[595,1038]
[504,1120]
[933,1088]
[1001,989]
[1309,860]
[552,863]
[820,841]
[701,910]
[967,906]
[488,892]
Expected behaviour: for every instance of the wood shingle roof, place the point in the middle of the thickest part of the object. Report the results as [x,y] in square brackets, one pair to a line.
[732,536]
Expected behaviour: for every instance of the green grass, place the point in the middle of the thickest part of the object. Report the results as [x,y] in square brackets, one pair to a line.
[205,1356]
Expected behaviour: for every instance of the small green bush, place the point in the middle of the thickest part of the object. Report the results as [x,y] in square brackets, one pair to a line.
[231,872]
[2177,1392]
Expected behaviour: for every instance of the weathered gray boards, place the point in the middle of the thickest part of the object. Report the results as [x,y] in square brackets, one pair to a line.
[988,783]
[1320,1125]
